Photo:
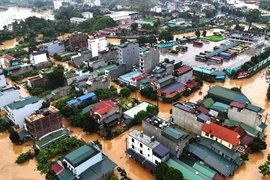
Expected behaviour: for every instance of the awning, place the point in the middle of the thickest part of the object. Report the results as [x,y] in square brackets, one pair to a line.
[135,155]
[149,164]
[111,118]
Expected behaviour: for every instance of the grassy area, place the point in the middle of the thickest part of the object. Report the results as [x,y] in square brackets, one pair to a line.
[214,38]
[153,20]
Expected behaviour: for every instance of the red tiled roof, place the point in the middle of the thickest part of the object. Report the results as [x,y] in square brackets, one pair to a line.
[240,131]
[237,104]
[219,177]
[246,140]
[103,107]
[203,110]
[144,75]
[9,57]
[183,69]
[57,169]
[221,132]
[190,83]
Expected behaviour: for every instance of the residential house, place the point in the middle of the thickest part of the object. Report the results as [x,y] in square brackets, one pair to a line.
[100,82]
[172,137]
[57,93]
[149,59]
[38,57]
[127,78]
[188,118]
[146,150]
[19,109]
[246,113]
[120,15]
[95,64]
[77,20]
[177,22]
[77,41]
[54,47]
[129,114]
[8,95]
[106,112]
[136,81]
[156,9]
[82,56]
[171,6]
[97,44]
[9,61]
[86,162]
[82,99]
[57,4]
[183,74]
[87,15]
[3,82]
[142,22]
[39,81]
[224,136]
[128,54]
[43,121]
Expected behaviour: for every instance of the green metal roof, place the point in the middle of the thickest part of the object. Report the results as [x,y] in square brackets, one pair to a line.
[20,104]
[187,171]
[218,73]
[165,79]
[253,108]
[66,175]
[216,52]
[23,134]
[80,155]
[208,102]
[133,111]
[221,107]
[247,128]
[161,70]
[48,139]
[174,133]
[88,108]
[204,169]
[144,49]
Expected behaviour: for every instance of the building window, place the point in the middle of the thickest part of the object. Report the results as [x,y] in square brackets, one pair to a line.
[211,136]
[206,134]
[148,155]
[132,146]
[141,151]
[132,139]
[156,162]
[239,110]
[148,149]
[141,145]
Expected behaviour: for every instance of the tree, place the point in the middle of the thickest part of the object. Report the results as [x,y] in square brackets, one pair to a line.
[204,33]
[125,92]
[236,89]
[237,27]
[164,172]
[153,110]
[89,123]
[264,169]
[253,15]
[56,77]
[3,125]
[257,145]
[174,174]
[123,40]
[165,35]
[134,26]
[14,136]
[244,157]
[198,33]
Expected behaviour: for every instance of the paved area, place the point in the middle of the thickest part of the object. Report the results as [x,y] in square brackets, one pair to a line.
[189,56]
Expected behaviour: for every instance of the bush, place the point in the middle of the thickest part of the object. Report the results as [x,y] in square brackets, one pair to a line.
[3,125]
[24,157]
[244,157]
[148,92]
[125,92]
[132,88]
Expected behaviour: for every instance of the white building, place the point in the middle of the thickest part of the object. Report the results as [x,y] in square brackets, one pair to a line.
[87,15]
[38,57]
[57,4]
[146,149]
[3,82]
[18,110]
[156,9]
[8,95]
[97,44]
[120,15]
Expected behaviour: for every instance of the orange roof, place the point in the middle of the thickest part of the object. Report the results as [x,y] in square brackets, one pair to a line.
[222,133]
[9,57]
[144,75]
[103,107]
[184,69]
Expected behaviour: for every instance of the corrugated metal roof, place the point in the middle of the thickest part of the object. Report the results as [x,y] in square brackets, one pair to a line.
[174,133]
[221,107]
[208,102]
[22,103]
[204,169]
[88,108]
[253,108]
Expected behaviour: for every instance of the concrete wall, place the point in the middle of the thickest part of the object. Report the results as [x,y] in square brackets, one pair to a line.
[54,47]
[129,55]
[151,130]
[80,58]
[98,63]
[185,77]
[98,84]
[166,83]
[116,72]
[110,112]
[39,59]
[90,162]
[9,97]
[186,120]
[150,60]
[2,80]
[108,55]
[245,116]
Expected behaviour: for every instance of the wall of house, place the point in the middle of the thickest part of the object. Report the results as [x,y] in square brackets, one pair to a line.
[93,46]
[166,83]
[108,55]
[129,55]
[120,70]
[245,116]
[54,47]
[39,58]
[2,80]
[19,114]
[185,77]
[151,130]
[186,120]
[98,63]
[110,112]
[97,84]
[90,162]
[9,97]
[147,152]
[224,143]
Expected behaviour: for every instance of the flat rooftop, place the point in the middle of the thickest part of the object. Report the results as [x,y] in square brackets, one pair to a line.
[133,111]
[41,114]
[115,14]
[143,138]
[172,87]
[126,77]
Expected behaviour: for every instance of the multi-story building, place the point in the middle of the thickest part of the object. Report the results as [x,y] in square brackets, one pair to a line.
[3,81]
[8,95]
[39,81]
[224,136]
[57,4]
[83,55]
[38,57]
[136,81]
[86,162]
[54,47]
[97,44]
[77,41]
[149,58]
[183,74]
[172,137]
[146,150]
[19,109]
[43,121]
[9,60]
[188,117]
[87,15]
[128,54]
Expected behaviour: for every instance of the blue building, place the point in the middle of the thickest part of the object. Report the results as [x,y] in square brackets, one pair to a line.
[54,47]
[82,99]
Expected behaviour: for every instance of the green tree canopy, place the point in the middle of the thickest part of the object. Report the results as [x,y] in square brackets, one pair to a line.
[253,15]
[125,92]
[134,26]
[56,77]
[198,33]
[257,145]
[166,36]
[164,172]
[14,136]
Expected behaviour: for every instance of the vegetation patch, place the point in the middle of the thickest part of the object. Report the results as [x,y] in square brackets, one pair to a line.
[215,38]
[24,157]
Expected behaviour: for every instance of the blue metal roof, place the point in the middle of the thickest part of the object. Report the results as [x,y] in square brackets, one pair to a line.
[72,102]
[87,96]
[181,106]
[161,150]
[111,118]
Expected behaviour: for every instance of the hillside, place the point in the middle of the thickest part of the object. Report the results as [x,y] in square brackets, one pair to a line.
[135,4]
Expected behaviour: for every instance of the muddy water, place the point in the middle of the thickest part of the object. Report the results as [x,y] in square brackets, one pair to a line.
[8,44]
[8,154]
[242,3]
